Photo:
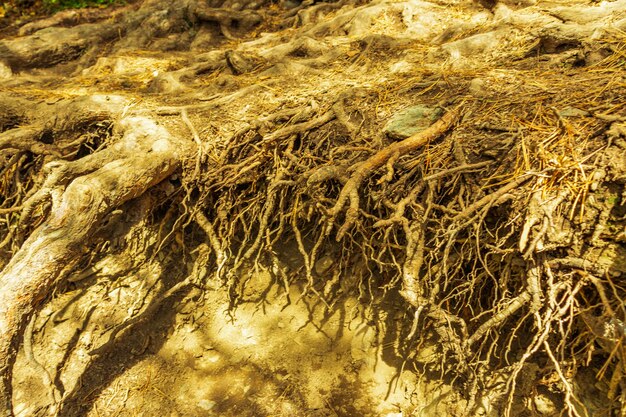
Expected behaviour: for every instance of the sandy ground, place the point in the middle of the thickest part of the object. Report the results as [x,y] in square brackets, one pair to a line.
[266,358]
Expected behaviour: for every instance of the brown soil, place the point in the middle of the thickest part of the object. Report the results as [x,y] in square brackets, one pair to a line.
[214,208]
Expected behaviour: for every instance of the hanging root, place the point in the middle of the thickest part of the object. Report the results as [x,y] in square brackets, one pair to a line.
[350,191]
[501,224]
[474,245]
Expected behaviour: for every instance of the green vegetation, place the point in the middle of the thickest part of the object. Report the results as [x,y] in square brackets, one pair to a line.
[77,4]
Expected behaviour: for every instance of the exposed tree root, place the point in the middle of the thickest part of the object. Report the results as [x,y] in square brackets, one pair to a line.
[145,155]
[245,20]
[350,191]
[500,224]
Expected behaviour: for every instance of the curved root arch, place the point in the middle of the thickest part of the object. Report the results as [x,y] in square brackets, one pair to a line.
[80,195]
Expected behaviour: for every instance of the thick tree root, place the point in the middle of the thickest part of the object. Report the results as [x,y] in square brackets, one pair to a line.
[144,156]
[498,229]
[350,190]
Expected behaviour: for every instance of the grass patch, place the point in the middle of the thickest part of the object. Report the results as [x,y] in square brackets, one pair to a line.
[55,5]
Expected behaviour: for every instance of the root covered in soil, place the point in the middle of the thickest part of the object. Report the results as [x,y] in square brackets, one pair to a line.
[475,167]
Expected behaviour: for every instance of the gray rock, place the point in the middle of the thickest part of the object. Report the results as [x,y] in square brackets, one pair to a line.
[545,406]
[5,71]
[206,404]
[411,120]
[477,88]
[323,264]
[573,112]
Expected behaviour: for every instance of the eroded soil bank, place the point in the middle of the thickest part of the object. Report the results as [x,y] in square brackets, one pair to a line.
[269,357]
[386,208]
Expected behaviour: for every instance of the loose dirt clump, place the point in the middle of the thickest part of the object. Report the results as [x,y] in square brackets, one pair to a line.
[315,209]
